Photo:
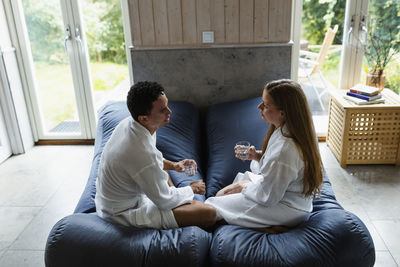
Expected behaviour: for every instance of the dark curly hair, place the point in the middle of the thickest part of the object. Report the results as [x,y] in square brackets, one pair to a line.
[141,97]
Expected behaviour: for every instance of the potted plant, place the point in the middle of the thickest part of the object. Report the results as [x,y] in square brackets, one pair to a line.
[382,44]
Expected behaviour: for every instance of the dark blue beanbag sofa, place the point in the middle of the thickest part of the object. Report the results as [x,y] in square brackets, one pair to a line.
[331,237]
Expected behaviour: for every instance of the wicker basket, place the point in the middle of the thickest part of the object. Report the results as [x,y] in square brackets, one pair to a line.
[367,134]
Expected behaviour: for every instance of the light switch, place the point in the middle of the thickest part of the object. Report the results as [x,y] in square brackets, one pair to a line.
[208,37]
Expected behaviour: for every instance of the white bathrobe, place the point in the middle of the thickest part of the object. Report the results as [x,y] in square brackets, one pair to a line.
[274,196]
[132,187]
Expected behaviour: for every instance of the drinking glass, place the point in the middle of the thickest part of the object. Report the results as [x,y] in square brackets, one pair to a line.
[242,149]
[189,169]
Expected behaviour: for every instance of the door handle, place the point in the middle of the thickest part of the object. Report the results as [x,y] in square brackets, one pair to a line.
[350,32]
[363,31]
[78,36]
[68,36]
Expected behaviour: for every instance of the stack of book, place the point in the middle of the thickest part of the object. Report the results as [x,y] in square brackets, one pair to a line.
[362,94]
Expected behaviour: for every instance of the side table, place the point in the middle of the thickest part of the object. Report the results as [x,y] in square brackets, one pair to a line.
[364,134]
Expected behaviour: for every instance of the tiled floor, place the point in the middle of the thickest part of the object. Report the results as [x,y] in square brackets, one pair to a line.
[43,185]
[36,190]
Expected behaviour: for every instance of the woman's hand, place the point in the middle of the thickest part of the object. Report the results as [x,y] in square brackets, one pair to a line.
[253,154]
[233,188]
[198,187]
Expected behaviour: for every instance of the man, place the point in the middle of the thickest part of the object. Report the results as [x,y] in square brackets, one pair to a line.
[133,187]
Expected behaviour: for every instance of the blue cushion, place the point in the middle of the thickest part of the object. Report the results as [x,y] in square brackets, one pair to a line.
[109,117]
[226,124]
[87,240]
[181,139]
[178,140]
[332,237]
[326,199]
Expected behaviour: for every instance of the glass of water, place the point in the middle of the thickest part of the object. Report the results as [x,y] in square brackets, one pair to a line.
[242,149]
[189,169]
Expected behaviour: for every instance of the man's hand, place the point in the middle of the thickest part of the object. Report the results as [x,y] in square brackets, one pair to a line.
[232,188]
[198,187]
[180,165]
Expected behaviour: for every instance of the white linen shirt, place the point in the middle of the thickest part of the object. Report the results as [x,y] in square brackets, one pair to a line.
[281,175]
[132,187]
[274,195]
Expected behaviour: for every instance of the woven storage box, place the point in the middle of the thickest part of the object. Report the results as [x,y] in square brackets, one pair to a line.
[364,134]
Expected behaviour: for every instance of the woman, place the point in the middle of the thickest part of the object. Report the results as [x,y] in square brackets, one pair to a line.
[285,175]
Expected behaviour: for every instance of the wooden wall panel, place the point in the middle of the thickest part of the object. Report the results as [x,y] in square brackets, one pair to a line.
[161,22]
[135,22]
[189,22]
[279,20]
[261,21]
[182,22]
[175,21]
[217,11]
[246,19]
[231,21]
[147,22]
[203,17]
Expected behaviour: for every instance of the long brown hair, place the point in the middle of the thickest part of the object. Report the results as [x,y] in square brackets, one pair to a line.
[290,98]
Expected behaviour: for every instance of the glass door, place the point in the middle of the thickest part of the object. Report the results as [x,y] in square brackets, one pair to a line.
[321,47]
[104,36]
[75,61]
[381,43]
[338,58]
[55,82]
